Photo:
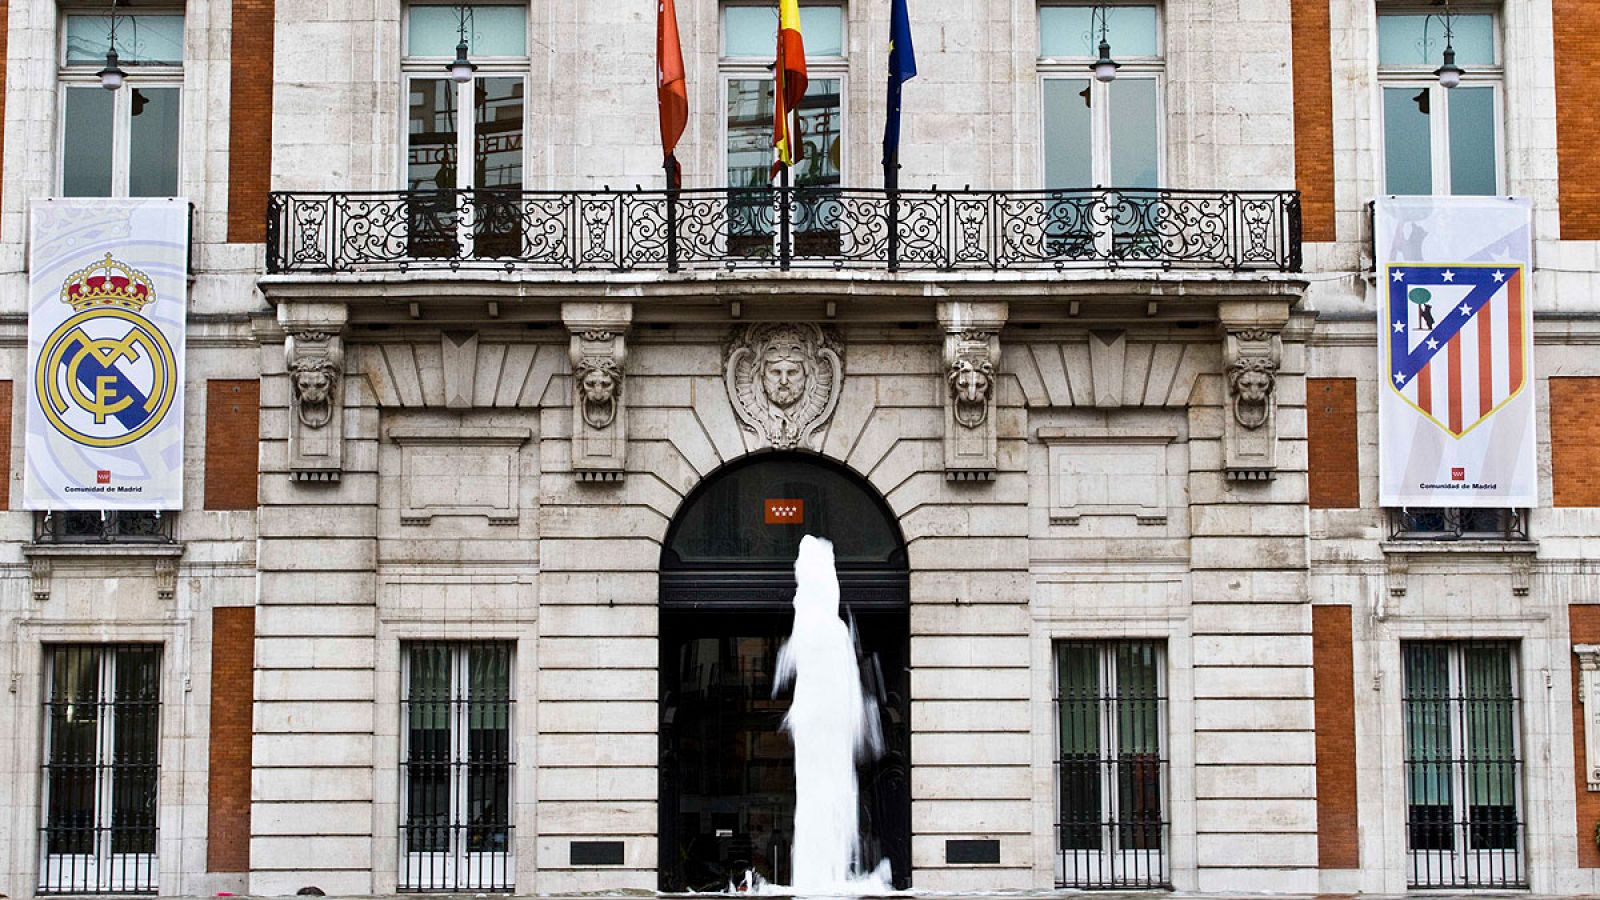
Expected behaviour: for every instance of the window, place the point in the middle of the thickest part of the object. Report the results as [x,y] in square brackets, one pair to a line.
[749,43]
[1098,134]
[1438,140]
[481,150]
[1450,523]
[1112,706]
[456,768]
[102,717]
[121,143]
[118,526]
[1463,766]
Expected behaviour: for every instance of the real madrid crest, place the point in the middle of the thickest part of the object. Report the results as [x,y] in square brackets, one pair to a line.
[106,376]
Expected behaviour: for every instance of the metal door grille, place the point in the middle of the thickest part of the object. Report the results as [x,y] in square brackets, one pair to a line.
[456,832]
[1111,704]
[102,716]
[1463,768]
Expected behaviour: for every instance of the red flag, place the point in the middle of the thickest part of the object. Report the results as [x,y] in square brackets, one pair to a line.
[790,88]
[672,90]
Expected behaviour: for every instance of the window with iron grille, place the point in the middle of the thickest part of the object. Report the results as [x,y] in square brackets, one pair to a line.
[102,717]
[1451,523]
[1463,766]
[1111,703]
[456,831]
[125,526]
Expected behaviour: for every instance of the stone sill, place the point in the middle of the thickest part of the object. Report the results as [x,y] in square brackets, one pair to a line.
[108,550]
[1466,547]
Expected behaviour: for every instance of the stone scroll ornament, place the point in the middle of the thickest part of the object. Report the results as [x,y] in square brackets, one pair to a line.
[599,446]
[315,364]
[784,381]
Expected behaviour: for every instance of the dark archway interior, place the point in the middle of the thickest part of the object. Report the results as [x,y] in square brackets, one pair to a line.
[727,584]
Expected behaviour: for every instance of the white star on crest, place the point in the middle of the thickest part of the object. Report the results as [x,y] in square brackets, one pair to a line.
[1466,310]
[1399,378]
[1399,275]
[1449,275]
[1499,276]
[1433,344]
[1399,326]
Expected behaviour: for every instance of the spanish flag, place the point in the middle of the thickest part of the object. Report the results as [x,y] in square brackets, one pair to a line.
[790,88]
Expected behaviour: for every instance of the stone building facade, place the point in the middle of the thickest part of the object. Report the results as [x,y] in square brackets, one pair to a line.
[469,538]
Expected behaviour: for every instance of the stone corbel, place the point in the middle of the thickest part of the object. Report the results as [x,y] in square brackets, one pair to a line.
[972,369]
[314,360]
[166,578]
[39,571]
[1252,356]
[599,353]
[1589,695]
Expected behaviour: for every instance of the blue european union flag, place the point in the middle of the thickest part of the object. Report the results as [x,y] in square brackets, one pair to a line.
[902,68]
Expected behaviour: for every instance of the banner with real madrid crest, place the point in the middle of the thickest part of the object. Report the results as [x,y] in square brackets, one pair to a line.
[1457,405]
[108,298]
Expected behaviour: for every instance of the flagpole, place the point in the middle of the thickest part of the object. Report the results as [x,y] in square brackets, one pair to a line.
[671,166]
[783,219]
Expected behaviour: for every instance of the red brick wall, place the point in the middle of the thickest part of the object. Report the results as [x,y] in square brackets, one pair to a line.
[1577,69]
[1575,441]
[233,642]
[1585,622]
[233,430]
[1313,116]
[1334,464]
[5,390]
[250,121]
[1333,655]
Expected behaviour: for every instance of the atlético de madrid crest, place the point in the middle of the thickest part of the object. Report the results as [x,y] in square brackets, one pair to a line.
[1458,347]
[106,375]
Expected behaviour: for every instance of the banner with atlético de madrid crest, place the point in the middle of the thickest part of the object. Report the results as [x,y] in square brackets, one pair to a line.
[1457,405]
[108,296]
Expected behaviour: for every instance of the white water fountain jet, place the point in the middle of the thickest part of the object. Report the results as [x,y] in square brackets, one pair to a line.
[833,724]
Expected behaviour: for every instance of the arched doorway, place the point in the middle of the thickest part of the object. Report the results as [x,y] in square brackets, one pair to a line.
[727,585]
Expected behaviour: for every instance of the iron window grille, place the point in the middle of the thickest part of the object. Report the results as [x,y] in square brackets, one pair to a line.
[1450,523]
[1464,826]
[126,526]
[456,832]
[1113,829]
[102,715]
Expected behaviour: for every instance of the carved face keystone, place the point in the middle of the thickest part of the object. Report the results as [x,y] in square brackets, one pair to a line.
[1254,386]
[598,387]
[783,378]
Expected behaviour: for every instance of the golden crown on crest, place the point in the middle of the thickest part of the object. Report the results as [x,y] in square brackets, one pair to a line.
[108,283]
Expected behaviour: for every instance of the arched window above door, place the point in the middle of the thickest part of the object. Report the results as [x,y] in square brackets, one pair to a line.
[752,514]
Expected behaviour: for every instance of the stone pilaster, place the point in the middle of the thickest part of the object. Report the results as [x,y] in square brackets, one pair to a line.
[312,819]
[599,412]
[1254,713]
[972,365]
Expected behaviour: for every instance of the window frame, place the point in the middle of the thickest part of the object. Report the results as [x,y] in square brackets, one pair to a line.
[80,76]
[759,68]
[1063,68]
[464,870]
[1420,77]
[1463,866]
[433,67]
[103,871]
[1118,867]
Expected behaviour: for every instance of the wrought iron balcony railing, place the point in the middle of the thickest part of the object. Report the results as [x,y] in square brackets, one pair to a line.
[783,228]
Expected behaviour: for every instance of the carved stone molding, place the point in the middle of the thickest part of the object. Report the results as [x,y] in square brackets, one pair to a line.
[1589,695]
[784,381]
[599,353]
[972,367]
[314,360]
[458,353]
[1252,356]
[39,571]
